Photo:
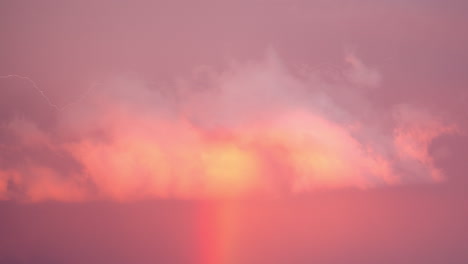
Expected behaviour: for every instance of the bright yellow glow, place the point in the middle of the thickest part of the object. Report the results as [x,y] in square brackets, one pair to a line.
[230,169]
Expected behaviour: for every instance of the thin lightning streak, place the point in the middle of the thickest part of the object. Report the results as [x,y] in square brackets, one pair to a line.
[93,86]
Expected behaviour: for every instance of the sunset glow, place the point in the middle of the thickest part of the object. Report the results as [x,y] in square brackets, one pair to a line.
[233,132]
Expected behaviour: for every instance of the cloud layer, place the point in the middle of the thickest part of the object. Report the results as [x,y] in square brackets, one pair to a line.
[258,127]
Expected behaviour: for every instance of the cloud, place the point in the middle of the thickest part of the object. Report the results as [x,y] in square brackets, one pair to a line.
[361,74]
[253,128]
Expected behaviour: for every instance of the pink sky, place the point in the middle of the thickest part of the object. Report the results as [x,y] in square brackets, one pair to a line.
[315,131]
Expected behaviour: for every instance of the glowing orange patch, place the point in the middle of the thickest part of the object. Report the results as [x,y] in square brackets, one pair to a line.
[230,169]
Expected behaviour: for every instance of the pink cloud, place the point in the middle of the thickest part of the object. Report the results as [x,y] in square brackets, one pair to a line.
[253,128]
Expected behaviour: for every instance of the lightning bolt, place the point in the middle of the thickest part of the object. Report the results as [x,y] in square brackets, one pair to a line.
[58,108]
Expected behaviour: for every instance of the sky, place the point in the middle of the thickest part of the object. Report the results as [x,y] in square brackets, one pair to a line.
[233,132]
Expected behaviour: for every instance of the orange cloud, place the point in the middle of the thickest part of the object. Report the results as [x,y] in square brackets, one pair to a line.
[255,128]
